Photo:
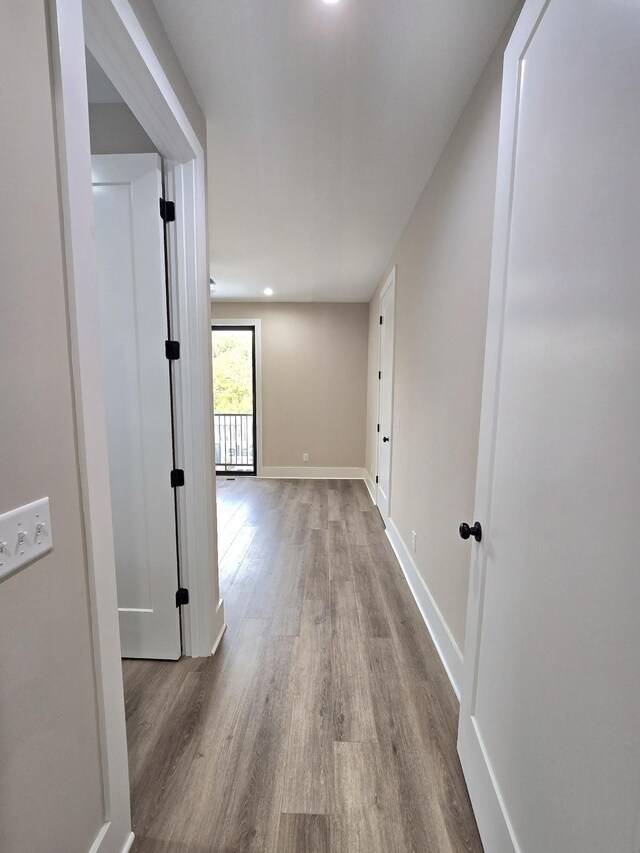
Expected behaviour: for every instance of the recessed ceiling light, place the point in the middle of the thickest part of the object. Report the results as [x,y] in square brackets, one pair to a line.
[268,291]
[331,2]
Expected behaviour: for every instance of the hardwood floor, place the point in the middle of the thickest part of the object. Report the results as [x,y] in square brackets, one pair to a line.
[325,722]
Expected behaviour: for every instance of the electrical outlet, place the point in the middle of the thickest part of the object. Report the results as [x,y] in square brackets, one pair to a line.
[413,541]
[305,457]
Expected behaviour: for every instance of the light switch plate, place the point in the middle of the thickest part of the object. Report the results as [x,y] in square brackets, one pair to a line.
[25,536]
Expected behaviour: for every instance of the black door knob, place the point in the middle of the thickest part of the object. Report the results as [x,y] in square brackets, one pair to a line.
[475,531]
[385,438]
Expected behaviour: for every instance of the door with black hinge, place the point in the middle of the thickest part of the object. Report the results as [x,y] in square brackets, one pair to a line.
[138,394]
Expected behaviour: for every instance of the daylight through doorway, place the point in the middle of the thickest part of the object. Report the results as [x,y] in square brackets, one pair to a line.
[234,399]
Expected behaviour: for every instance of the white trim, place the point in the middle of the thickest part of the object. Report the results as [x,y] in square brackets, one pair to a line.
[115,38]
[388,285]
[194,409]
[257,324]
[310,473]
[494,825]
[221,626]
[74,159]
[97,846]
[371,486]
[128,843]
[443,640]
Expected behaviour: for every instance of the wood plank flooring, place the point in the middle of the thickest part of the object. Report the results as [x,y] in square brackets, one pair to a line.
[325,722]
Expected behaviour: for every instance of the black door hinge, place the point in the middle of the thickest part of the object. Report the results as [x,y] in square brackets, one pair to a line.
[167,211]
[379,374]
[376,478]
[182,596]
[381,320]
[172,350]
[378,430]
[177,478]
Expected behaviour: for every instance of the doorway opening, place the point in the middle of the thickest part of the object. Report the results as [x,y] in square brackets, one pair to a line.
[234,399]
[138,378]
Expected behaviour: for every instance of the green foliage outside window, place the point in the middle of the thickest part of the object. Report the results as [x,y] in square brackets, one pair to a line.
[232,373]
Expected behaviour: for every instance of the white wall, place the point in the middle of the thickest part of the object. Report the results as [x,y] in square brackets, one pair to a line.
[442,282]
[314,379]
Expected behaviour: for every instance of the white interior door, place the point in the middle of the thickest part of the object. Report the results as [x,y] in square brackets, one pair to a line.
[385,396]
[550,719]
[129,237]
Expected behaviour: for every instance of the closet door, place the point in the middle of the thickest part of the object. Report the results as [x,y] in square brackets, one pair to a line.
[549,732]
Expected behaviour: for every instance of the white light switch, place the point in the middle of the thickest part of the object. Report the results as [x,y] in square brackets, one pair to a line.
[25,535]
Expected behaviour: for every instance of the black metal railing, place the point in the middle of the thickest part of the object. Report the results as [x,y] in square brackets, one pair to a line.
[233,443]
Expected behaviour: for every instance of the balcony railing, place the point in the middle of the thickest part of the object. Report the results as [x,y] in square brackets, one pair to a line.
[233,438]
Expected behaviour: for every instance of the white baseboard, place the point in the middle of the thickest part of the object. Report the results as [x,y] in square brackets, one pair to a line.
[107,840]
[450,654]
[306,472]
[371,488]
[219,626]
[100,837]
[220,633]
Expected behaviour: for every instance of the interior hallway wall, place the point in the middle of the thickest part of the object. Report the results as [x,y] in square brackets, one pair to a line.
[314,380]
[50,768]
[442,284]
[50,771]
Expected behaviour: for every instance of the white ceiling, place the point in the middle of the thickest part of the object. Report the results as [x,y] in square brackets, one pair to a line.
[324,123]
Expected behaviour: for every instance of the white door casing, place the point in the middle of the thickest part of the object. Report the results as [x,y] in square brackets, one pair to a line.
[385,395]
[129,240]
[115,38]
[549,734]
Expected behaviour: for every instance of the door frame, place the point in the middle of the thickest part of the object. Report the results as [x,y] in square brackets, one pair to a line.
[113,34]
[390,284]
[496,830]
[257,326]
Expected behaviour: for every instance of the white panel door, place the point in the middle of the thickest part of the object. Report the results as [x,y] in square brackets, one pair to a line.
[385,398]
[550,718]
[129,236]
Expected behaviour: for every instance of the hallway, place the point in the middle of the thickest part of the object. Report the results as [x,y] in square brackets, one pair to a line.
[325,721]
